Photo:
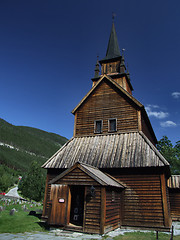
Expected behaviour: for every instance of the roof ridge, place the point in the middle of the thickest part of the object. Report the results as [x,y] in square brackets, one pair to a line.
[115,84]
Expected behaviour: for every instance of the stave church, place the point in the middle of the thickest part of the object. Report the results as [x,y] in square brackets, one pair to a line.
[109,174]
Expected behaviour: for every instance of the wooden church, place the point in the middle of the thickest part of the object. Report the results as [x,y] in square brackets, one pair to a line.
[109,174]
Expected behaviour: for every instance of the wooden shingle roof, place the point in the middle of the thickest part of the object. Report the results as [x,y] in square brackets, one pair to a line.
[100,177]
[174,181]
[122,150]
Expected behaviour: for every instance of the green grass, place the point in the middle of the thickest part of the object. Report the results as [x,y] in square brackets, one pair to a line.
[21,221]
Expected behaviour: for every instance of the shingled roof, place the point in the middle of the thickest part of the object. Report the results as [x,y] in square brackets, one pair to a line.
[174,181]
[122,150]
[100,177]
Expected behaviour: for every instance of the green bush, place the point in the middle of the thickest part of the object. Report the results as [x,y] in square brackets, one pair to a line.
[32,184]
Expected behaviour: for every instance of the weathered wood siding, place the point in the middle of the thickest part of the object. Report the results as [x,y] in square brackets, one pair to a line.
[103,104]
[77,177]
[142,201]
[113,210]
[145,130]
[92,211]
[46,203]
[174,196]
[59,211]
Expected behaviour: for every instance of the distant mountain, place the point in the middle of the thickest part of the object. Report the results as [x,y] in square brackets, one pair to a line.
[20,145]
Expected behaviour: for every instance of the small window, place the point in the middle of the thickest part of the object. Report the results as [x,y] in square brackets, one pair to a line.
[113,125]
[98,126]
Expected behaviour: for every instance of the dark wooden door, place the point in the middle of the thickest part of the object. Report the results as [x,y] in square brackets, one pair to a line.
[60,210]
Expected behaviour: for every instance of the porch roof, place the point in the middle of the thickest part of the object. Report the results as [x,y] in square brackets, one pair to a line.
[174,181]
[100,177]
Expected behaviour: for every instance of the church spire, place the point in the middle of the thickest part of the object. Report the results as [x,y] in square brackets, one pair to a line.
[113,46]
[96,71]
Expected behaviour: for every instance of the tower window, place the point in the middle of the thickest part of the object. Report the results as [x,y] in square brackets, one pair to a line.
[112,125]
[98,126]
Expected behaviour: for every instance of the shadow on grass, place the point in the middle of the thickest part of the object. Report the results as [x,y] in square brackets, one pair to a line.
[42,224]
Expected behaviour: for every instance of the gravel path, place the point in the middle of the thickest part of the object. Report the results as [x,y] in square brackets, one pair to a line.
[62,235]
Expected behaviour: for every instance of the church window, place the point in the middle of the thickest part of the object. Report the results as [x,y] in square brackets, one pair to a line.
[98,126]
[112,125]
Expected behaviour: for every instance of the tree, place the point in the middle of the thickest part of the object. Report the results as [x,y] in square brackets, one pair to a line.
[32,185]
[171,154]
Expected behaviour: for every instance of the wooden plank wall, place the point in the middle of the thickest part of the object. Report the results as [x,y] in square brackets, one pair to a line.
[60,212]
[174,196]
[77,177]
[93,212]
[103,104]
[112,210]
[46,203]
[145,129]
[142,201]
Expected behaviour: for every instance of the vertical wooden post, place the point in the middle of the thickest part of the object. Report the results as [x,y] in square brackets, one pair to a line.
[167,218]
[139,121]
[156,235]
[172,233]
[103,210]
[121,207]
[75,120]
[84,213]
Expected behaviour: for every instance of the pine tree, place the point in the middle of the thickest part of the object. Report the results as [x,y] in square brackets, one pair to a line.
[32,185]
[171,154]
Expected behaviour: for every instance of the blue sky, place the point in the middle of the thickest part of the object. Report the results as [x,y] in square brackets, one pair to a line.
[48,52]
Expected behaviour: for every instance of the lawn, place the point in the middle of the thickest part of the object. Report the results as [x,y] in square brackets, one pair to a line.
[20,221]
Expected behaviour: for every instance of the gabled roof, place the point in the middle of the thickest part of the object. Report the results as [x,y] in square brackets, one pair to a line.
[100,177]
[126,94]
[174,181]
[121,150]
[113,46]
[115,84]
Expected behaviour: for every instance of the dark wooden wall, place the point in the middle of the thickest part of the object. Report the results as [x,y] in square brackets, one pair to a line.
[144,201]
[174,196]
[145,130]
[103,104]
[92,211]
[113,210]
[77,177]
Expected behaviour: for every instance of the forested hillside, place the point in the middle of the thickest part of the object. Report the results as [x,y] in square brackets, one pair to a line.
[20,145]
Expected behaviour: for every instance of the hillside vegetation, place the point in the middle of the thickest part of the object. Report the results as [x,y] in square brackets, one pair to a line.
[20,146]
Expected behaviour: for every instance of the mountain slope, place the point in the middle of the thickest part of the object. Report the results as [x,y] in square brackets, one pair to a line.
[20,145]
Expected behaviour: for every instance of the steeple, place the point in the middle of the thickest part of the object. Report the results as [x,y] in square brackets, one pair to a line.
[113,64]
[113,46]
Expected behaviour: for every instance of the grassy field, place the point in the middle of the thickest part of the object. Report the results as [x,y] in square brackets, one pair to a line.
[20,221]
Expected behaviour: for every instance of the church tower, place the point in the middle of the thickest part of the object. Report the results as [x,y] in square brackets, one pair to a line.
[113,65]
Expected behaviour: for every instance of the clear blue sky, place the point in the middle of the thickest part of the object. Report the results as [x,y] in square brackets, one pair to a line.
[48,52]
